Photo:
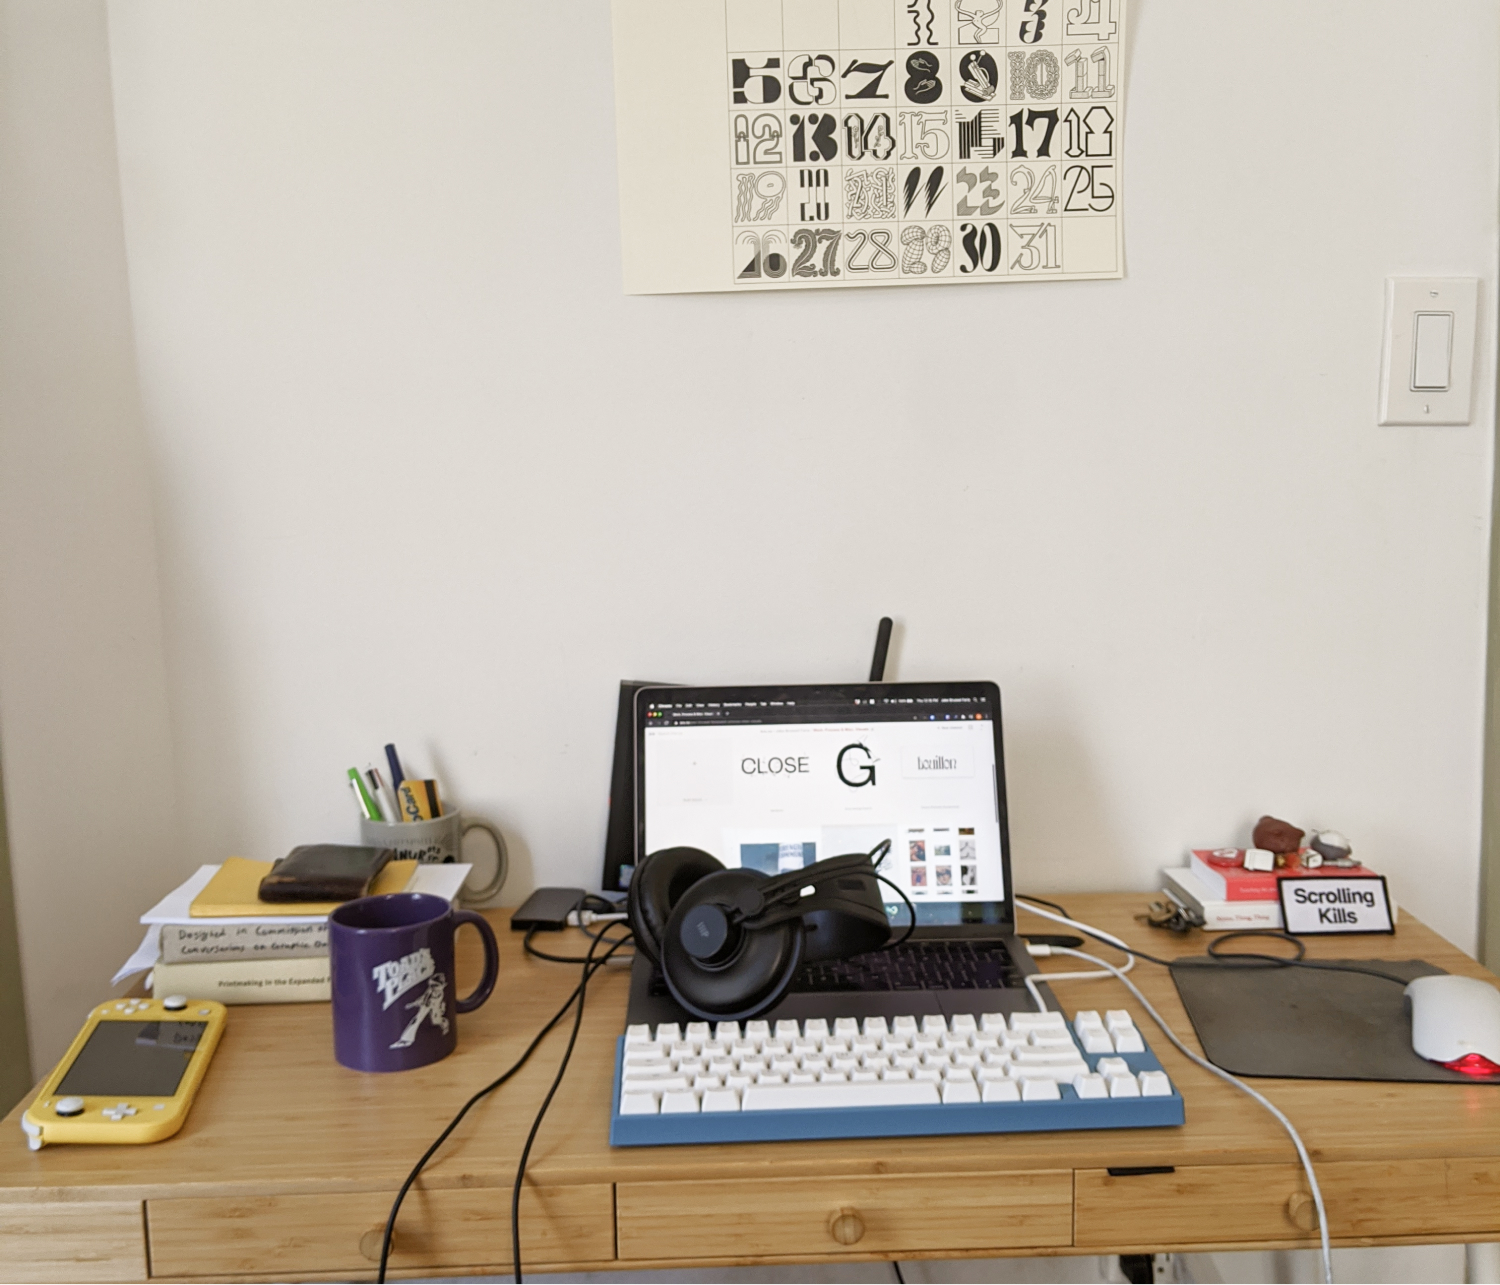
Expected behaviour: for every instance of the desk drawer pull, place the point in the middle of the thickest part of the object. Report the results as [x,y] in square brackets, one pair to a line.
[1302,1210]
[846,1226]
[370,1242]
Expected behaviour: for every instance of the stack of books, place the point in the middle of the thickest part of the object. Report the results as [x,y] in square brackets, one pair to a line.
[212,938]
[1229,896]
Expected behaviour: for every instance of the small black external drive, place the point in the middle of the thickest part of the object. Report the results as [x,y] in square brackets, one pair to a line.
[547,909]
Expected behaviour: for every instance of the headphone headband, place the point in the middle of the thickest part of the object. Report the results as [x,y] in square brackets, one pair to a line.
[782,897]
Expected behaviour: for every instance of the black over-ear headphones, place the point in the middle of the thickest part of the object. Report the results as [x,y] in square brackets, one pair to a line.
[729,942]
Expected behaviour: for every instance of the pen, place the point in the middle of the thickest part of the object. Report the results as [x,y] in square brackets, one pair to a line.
[383,793]
[368,806]
[397,775]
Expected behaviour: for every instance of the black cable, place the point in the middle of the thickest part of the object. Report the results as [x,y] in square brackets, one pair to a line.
[575,909]
[589,969]
[1254,959]
[587,932]
[588,901]
[1051,905]
[911,926]
[896,1267]
[390,1222]
[1129,950]
[542,954]
[567,959]
[1346,968]
[1235,958]
[1275,934]
[883,848]
[608,924]
[1257,959]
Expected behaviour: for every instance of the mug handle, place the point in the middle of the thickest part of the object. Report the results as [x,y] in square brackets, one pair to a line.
[502,862]
[491,959]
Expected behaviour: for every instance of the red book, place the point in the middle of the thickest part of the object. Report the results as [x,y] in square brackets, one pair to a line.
[1235,883]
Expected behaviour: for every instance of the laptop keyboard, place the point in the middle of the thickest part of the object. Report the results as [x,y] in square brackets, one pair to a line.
[916,966]
[846,1078]
[912,966]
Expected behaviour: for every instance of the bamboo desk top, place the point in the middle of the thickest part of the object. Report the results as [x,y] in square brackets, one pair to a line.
[278,1119]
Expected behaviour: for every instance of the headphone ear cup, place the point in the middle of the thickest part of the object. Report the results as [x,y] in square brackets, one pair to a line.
[657,885]
[752,979]
[845,914]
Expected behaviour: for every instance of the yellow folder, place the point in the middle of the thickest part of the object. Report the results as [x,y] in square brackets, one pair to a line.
[234,891]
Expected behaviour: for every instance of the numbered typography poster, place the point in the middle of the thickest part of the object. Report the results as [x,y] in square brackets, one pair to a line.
[819,144]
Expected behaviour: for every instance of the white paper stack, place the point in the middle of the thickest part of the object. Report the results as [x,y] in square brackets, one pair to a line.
[202,943]
[1186,889]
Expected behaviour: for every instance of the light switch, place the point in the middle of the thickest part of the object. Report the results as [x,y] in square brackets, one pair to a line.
[1430,338]
[1432,352]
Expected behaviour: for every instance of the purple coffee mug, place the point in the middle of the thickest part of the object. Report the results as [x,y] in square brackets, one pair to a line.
[393,991]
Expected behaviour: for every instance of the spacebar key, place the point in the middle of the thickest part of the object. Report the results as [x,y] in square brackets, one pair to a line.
[815,1097]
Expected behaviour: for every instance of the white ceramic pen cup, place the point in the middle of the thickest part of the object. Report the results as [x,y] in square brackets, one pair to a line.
[440,842]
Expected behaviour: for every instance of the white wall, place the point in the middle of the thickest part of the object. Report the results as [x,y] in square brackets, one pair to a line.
[84,736]
[423,473]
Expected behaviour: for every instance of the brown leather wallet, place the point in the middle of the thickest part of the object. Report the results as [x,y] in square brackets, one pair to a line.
[324,872]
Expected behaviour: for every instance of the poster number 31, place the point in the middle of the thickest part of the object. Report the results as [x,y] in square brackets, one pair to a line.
[878,142]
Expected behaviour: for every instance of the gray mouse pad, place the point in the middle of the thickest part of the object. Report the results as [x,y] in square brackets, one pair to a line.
[1306,1023]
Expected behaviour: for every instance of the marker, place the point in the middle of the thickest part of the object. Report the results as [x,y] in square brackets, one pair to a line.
[435,808]
[383,793]
[367,805]
[397,775]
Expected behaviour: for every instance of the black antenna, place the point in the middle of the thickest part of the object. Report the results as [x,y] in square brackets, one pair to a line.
[882,645]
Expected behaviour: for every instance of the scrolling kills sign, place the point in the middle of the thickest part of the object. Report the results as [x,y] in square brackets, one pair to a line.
[1359,904]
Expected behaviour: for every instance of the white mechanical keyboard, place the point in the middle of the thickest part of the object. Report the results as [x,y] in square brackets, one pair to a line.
[819,1079]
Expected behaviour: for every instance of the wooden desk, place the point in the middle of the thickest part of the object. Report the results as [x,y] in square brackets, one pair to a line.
[288,1163]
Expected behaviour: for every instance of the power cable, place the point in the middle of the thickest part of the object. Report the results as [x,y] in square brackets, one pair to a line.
[390,1222]
[515,1198]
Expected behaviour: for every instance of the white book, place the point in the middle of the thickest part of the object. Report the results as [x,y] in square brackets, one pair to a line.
[1182,884]
[205,939]
[176,908]
[246,981]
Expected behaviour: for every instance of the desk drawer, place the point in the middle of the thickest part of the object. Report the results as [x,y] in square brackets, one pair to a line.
[291,1235]
[1211,1204]
[1411,1197]
[73,1241]
[1227,1204]
[888,1214]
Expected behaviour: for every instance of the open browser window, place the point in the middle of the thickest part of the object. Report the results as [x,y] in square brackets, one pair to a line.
[777,778]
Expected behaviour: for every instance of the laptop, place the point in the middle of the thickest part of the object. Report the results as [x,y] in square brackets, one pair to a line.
[775,778]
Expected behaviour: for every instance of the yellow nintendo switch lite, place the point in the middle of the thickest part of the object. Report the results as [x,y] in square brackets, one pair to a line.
[130,1074]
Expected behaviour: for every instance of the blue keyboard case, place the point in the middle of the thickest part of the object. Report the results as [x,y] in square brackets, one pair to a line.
[1070,1112]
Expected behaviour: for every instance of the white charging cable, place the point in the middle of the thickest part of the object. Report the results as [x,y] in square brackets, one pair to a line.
[1033,983]
[1307,1167]
[583,918]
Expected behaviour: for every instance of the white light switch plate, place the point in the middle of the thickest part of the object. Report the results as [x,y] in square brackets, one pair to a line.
[1405,298]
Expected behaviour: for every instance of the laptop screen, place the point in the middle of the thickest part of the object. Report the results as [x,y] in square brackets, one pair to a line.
[775,778]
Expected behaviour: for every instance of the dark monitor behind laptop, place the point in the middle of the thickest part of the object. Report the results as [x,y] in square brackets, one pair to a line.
[620,830]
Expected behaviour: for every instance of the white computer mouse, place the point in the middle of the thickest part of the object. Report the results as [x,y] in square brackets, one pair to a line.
[1456,1020]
